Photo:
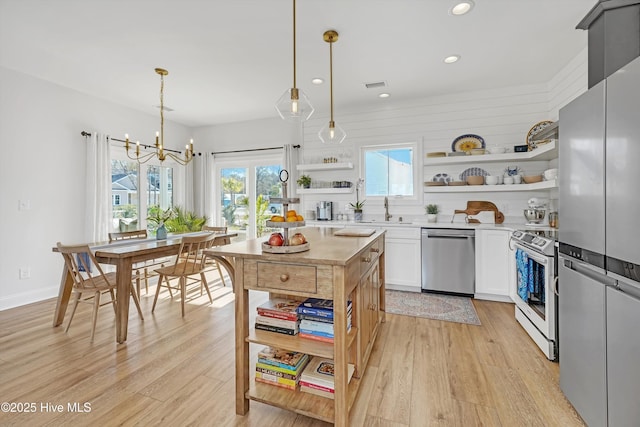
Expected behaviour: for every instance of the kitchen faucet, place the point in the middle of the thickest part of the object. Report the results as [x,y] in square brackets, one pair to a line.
[387,216]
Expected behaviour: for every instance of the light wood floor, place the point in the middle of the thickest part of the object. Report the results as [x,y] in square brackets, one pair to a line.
[175,371]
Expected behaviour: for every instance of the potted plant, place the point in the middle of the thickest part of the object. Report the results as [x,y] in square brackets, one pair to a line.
[304,181]
[357,206]
[432,212]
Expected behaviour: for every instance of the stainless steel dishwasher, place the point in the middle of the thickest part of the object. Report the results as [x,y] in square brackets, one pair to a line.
[448,261]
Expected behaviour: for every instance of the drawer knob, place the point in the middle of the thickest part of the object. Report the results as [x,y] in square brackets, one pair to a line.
[284,277]
[376,250]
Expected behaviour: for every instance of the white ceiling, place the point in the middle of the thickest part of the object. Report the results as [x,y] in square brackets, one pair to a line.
[231,60]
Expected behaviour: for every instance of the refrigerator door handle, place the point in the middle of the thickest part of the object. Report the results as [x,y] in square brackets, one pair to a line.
[555,286]
[586,270]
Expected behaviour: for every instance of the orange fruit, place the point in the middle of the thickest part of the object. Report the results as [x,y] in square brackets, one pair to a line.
[292,218]
[277,218]
[300,218]
[292,213]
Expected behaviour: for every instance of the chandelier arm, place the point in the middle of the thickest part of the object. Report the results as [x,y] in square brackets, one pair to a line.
[331,76]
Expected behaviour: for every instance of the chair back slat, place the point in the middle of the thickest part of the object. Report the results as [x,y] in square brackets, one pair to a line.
[191,253]
[83,266]
[126,235]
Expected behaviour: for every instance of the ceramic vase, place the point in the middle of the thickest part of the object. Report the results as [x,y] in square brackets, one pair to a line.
[432,217]
[161,232]
[357,215]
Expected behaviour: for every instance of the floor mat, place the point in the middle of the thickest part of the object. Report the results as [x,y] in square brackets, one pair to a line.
[432,306]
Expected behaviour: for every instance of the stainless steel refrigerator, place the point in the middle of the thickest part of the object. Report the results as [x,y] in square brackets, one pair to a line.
[599,265]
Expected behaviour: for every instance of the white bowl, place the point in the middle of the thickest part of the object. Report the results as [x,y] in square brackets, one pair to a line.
[496,149]
[508,180]
[550,174]
[491,180]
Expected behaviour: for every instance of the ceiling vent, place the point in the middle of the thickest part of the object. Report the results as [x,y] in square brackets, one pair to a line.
[375,85]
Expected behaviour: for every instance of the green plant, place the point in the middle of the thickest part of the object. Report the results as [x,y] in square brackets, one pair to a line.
[358,204]
[176,219]
[304,181]
[432,209]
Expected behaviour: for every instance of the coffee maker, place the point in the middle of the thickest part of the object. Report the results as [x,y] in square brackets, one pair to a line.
[324,211]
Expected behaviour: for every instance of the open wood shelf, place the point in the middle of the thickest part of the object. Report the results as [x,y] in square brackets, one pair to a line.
[324,166]
[542,185]
[546,151]
[295,343]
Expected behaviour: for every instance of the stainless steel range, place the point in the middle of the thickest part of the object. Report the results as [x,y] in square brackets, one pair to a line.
[536,287]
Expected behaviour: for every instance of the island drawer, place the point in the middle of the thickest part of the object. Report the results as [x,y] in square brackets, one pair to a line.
[287,277]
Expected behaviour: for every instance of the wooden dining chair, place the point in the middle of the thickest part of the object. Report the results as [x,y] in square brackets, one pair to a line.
[214,265]
[142,270]
[189,262]
[90,281]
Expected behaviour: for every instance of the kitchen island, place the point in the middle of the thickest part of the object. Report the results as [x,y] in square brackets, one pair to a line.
[340,268]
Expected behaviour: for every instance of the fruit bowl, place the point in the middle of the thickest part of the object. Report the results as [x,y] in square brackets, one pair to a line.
[289,249]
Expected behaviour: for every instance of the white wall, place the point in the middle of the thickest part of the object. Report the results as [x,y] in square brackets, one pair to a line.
[44,163]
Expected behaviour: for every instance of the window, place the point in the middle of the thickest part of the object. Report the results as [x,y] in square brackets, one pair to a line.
[116,199]
[389,170]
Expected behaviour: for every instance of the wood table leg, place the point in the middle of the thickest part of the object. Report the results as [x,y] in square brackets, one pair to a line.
[64,294]
[123,285]
[242,346]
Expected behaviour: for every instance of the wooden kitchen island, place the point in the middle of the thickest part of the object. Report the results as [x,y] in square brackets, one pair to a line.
[336,267]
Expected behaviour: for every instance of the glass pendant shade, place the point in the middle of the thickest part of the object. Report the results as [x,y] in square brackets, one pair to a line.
[332,134]
[294,105]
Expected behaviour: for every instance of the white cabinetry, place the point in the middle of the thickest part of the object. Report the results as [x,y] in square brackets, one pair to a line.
[495,265]
[402,260]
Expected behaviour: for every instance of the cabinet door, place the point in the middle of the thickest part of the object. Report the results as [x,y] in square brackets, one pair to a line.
[370,291]
[402,267]
[494,263]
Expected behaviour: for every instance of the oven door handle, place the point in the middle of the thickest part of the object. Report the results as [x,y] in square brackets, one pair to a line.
[542,259]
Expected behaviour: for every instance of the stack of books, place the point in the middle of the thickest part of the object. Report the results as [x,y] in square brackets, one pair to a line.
[316,319]
[280,367]
[318,378]
[278,315]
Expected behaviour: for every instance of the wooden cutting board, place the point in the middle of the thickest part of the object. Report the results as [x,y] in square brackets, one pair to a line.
[475,207]
[355,232]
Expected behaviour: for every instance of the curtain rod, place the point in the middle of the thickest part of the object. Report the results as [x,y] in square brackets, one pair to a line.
[252,149]
[85,134]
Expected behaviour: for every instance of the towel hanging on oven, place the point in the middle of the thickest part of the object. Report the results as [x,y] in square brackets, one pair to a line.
[522,265]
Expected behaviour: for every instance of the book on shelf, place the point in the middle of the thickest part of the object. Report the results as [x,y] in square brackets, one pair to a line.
[316,391]
[277,329]
[276,380]
[277,384]
[319,307]
[315,337]
[279,308]
[320,372]
[274,321]
[285,359]
[320,326]
[317,333]
[314,318]
[278,373]
[316,386]
[289,371]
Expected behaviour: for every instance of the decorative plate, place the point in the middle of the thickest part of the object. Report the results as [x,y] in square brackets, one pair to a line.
[467,142]
[442,177]
[534,130]
[472,172]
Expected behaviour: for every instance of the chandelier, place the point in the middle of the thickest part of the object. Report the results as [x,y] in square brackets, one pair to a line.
[294,104]
[331,132]
[160,152]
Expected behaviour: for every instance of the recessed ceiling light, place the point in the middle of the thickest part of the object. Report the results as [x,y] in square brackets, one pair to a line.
[451,59]
[461,8]
[384,95]
[317,81]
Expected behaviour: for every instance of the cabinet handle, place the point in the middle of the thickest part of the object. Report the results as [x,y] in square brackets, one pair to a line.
[366,259]
[284,277]
[376,250]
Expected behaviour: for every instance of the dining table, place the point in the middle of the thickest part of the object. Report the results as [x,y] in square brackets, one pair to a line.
[123,254]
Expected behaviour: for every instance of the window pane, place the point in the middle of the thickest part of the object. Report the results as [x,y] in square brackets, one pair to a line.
[389,171]
[124,192]
[159,192]
[234,201]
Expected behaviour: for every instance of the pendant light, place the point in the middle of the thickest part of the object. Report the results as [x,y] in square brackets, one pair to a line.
[331,133]
[294,104]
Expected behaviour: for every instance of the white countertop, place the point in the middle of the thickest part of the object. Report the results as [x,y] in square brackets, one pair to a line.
[424,224]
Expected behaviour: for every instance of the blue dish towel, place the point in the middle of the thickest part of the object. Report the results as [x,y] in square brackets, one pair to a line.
[525,274]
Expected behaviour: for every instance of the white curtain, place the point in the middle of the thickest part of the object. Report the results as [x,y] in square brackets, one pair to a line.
[203,185]
[98,188]
[289,162]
